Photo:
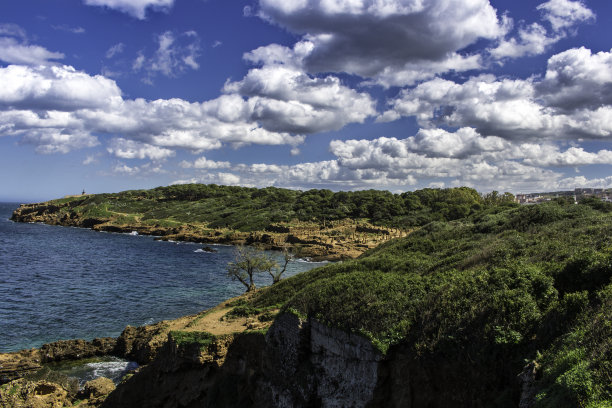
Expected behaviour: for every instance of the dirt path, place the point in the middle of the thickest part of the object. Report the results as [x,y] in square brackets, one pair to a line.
[214,322]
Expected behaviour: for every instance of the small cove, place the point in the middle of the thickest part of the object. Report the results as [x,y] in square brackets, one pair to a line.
[65,283]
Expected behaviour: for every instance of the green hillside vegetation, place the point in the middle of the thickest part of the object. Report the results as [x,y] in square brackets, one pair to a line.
[475,299]
[252,209]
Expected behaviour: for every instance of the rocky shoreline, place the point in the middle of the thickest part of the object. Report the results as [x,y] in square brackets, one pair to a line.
[331,242]
[247,363]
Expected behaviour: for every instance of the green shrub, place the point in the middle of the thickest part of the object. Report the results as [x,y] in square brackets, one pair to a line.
[200,338]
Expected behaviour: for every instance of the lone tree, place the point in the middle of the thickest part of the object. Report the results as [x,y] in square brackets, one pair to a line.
[277,271]
[247,262]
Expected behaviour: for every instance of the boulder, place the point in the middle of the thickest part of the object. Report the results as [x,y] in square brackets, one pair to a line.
[76,349]
[97,388]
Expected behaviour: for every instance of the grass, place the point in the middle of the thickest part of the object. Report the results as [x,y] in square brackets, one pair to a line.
[198,318]
[184,338]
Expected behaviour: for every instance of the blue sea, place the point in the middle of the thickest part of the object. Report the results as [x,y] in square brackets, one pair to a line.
[67,283]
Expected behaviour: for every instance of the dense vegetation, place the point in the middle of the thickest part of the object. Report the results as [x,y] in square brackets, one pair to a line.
[481,288]
[251,209]
[474,299]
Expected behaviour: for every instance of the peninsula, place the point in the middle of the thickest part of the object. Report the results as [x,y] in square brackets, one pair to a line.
[317,224]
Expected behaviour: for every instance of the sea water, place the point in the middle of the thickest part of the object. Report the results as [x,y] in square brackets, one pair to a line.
[67,283]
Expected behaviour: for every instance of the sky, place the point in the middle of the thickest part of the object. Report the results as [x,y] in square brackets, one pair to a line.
[111,95]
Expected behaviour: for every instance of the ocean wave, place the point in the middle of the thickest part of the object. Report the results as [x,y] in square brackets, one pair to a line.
[111,369]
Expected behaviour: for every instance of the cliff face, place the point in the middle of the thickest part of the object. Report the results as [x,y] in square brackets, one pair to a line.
[296,364]
[303,363]
[310,364]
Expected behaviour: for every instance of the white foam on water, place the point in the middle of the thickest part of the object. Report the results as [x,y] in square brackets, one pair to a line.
[302,260]
[110,368]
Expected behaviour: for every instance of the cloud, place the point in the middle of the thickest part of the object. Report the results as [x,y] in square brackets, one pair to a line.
[432,157]
[393,42]
[146,169]
[13,30]
[135,8]
[228,179]
[69,29]
[174,55]
[571,183]
[122,168]
[463,143]
[564,14]
[49,140]
[204,163]
[130,149]
[531,40]
[14,51]
[58,88]
[284,99]
[571,101]
[61,101]
[90,159]
[578,79]
[114,50]
[534,39]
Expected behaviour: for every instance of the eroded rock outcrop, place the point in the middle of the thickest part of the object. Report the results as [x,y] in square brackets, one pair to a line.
[221,374]
[33,394]
[64,350]
[21,363]
[16,365]
[140,344]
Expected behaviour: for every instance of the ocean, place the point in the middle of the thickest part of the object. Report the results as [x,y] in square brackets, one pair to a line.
[67,283]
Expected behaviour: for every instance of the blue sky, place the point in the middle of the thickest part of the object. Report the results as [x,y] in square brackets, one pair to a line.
[109,95]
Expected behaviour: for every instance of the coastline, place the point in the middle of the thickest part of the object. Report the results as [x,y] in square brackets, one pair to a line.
[334,241]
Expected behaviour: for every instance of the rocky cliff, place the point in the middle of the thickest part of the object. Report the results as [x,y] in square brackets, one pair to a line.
[296,363]
[213,360]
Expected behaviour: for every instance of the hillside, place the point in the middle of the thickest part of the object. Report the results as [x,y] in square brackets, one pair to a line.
[460,307]
[317,223]
[506,306]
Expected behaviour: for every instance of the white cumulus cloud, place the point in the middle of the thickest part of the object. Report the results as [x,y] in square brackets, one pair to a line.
[130,149]
[14,51]
[564,14]
[135,8]
[393,42]
[571,101]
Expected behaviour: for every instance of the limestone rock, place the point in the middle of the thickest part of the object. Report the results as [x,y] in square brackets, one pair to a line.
[97,388]
[141,344]
[27,394]
[76,349]
[16,365]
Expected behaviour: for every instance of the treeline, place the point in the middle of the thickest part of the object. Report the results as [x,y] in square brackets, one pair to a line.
[247,209]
